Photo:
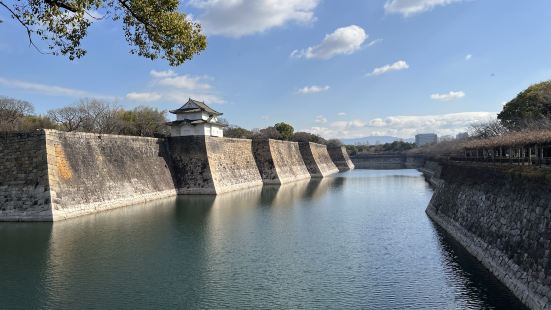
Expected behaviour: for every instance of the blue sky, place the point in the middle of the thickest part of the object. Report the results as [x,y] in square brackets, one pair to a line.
[338,68]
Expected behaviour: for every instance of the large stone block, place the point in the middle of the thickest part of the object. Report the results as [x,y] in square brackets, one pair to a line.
[279,162]
[340,157]
[317,159]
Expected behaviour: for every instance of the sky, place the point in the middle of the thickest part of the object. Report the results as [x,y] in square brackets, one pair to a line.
[341,69]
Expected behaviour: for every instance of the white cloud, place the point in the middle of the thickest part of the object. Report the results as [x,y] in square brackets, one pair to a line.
[468,57]
[403,126]
[320,119]
[185,82]
[237,18]
[162,74]
[452,95]
[411,7]
[145,96]
[341,114]
[169,86]
[313,89]
[48,89]
[182,97]
[397,66]
[343,41]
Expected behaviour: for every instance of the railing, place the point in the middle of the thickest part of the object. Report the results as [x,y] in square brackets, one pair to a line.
[534,155]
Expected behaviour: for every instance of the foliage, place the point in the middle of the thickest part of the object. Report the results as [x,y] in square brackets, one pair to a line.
[268,133]
[142,121]
[285,130]
[34,122]
[237,132]
[90,115]
[12,111]
[153,28]
[93,115]
[334,142]
[534,103]
[308,137]
[394,147]
[487,130]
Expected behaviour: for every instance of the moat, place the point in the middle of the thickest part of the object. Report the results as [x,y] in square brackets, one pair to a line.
[355,240]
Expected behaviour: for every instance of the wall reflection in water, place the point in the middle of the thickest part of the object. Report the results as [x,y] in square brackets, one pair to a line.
[354,240]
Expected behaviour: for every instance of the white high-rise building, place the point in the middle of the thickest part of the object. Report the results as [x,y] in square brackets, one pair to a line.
[426,138]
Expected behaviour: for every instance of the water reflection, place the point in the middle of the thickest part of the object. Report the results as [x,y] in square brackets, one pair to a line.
[354,240]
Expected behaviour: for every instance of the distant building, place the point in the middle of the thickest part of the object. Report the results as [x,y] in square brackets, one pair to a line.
[426,138]
[446,138]
[195,118]
[462,136]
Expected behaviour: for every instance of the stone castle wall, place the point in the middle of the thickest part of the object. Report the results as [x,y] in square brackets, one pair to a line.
[190,165]
[501,217]
[387,161]
[340,157]
[279,162]
[24,186]
[232,164]
[50,175]
[90,173]
[317,159]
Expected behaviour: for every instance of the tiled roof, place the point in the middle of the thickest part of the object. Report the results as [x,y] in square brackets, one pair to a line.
[193,105]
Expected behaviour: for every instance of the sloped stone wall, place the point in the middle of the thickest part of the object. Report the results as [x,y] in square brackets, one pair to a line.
[190,165]
[279,162]
[502,216]
[90,173]
[24,186]
[232,164]
[340,158]
[317,159]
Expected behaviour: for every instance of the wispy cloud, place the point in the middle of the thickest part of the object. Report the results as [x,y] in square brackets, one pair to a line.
[341,114]
[162,74]
[468,57]
[397,66]
[185,82]
[411,7]
[452,95]
[320,119]
[47,89]
[376,41]
[145,96]
[343,41]
[237,18]
[402,126]
[313,89]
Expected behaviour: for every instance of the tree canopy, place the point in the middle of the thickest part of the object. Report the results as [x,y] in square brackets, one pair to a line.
[285,130]
[532,104]
[153,28]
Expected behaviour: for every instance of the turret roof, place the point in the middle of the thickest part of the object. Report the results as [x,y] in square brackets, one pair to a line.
[194,106]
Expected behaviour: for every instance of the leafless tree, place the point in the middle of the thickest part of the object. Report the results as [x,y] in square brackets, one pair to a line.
[98,115]
[68,118]
[11,112]
[487,130]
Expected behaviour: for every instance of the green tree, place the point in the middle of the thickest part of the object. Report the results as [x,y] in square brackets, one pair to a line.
[285,130]
[302,136]
[237,132]
[143,121]
[153,28]
[530,105]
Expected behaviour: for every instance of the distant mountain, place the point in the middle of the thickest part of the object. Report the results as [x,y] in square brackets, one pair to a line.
[375,140]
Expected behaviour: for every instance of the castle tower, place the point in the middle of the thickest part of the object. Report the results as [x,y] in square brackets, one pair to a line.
[195,118]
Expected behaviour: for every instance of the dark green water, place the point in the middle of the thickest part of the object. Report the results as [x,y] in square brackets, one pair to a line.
[359,240]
